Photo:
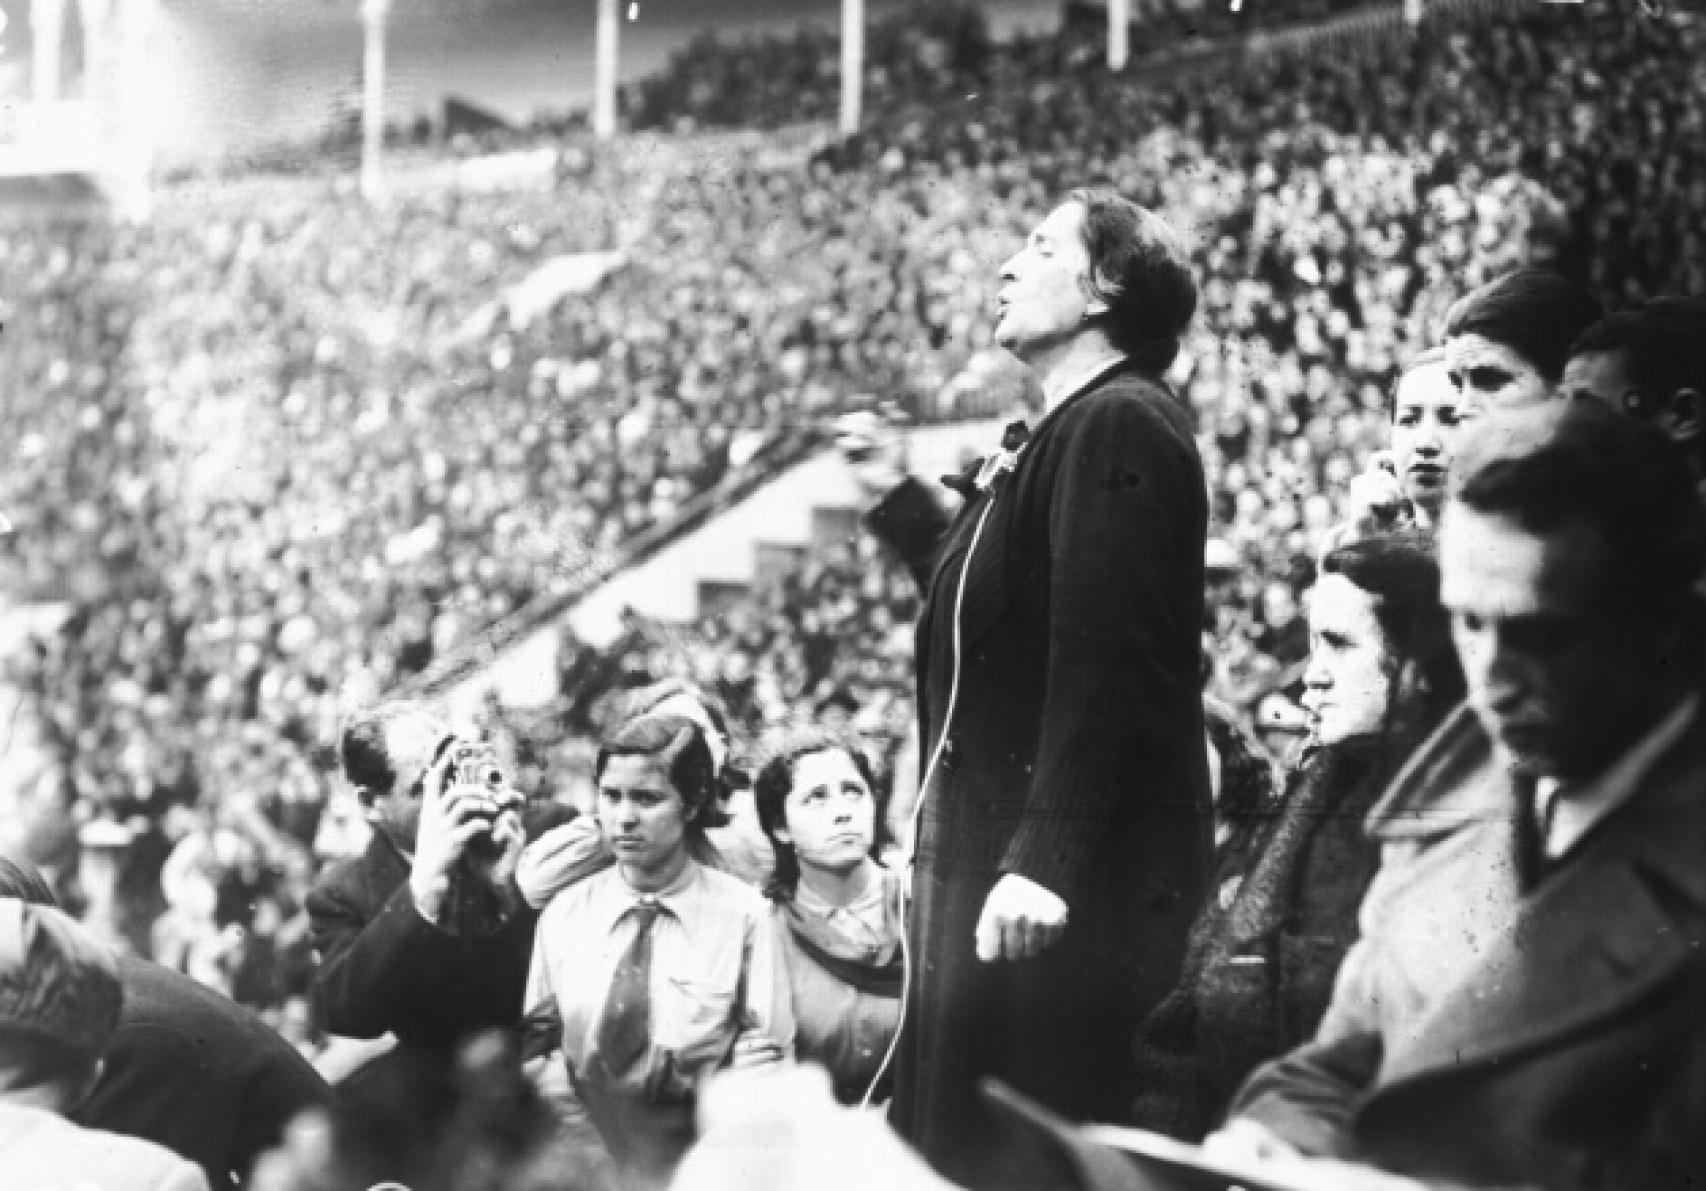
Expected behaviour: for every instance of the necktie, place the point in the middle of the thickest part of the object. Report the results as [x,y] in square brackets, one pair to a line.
[626,1025]
[1533,828]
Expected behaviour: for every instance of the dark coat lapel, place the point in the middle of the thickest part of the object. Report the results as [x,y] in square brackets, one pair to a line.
[1621,916]
[989,578]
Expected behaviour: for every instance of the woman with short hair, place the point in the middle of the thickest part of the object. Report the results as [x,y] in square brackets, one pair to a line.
[659,969]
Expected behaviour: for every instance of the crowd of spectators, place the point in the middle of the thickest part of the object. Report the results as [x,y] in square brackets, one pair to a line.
[276,450]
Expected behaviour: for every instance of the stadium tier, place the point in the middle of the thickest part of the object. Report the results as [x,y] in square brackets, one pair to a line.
[276,450]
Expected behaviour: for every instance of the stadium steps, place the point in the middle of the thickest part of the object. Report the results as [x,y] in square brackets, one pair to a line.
[797,495]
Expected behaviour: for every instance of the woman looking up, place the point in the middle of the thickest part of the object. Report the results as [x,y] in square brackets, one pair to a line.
[838,912]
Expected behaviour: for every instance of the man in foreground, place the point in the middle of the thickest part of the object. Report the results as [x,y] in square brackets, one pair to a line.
[1524,1007]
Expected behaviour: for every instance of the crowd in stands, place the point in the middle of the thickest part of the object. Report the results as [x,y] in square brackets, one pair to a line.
[277,451]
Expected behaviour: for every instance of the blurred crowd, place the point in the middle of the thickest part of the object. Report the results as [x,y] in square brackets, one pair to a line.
[276,450]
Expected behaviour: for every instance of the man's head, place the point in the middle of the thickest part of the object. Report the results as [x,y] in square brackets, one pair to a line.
[1506,342]
[1648,363]
[1098,264]
[386,753]
[59,1005]
[1568,558]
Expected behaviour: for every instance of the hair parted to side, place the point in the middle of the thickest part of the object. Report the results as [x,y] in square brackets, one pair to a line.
[1140,267]
[1399,572]
[778,752]
[362,748]
[679,744]
[1581,461]
[1535,312]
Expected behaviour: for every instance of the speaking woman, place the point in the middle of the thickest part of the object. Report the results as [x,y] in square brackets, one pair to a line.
[660,970]
[1064,827]
[838,913]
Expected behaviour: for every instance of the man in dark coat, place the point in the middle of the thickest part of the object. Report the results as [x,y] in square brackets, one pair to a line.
[423,936]
[1064,827]
[1525,1005]
[187,1068]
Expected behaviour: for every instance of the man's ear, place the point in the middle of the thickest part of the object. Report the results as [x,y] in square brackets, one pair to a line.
[1683,413]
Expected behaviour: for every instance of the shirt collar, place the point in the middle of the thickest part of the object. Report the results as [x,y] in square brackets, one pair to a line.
[1058,387]
[679,899]
[868,905]
[1588,803]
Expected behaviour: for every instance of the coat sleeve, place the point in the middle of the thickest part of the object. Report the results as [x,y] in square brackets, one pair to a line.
[1309,1096]
[371,971]
[768,998]
[912,521]
[1123,492]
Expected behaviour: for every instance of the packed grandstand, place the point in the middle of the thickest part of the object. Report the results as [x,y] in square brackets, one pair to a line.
[399,466]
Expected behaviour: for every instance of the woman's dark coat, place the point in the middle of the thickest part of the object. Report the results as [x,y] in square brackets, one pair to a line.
[1267,946]
[1075,758]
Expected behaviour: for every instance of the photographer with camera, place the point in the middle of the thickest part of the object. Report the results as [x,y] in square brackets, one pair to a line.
[424,936]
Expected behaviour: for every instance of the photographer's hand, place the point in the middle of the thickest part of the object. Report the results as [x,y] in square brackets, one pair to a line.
[451,818]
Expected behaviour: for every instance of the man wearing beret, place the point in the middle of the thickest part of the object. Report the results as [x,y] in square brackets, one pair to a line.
[59,1005]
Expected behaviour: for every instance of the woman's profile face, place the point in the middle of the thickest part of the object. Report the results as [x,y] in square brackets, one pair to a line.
[1042,299]
[643,817]
[830,814]
[1489,375]
[1347,684]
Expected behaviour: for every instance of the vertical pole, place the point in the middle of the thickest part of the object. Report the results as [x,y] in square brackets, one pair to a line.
[1119,33]
[47,47]
[373,17]
[852,65]
[604,73]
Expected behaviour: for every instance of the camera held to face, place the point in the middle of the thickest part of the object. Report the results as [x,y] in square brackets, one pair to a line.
[477,765]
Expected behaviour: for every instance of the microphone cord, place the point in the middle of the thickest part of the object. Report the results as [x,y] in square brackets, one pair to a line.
[918,807]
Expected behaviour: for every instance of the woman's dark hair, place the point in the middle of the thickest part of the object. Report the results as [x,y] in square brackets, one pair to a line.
[1399,571]
[1139,266]
[1536,313]
[778,753]
[645,700]
[679,743]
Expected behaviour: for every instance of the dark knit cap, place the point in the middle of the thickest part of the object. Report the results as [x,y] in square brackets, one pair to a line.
[1534,312]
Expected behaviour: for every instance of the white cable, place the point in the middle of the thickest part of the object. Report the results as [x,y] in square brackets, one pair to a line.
[918,807]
